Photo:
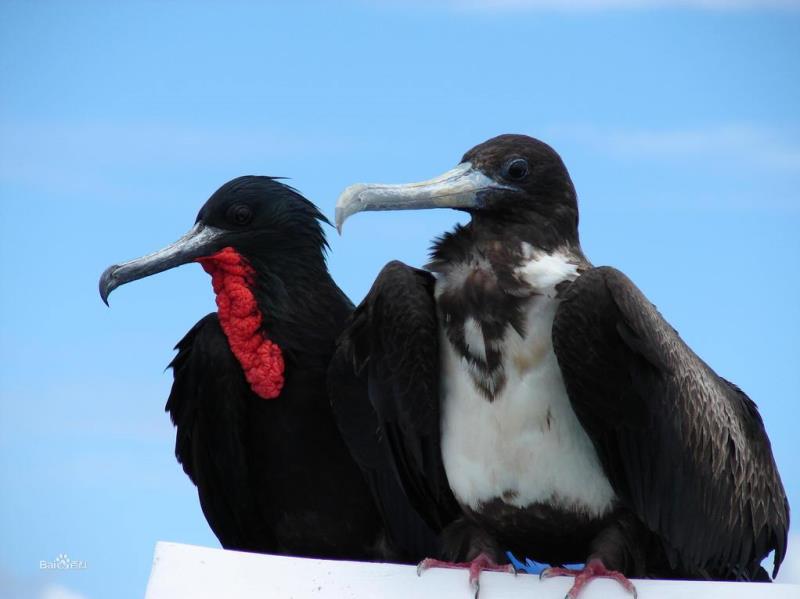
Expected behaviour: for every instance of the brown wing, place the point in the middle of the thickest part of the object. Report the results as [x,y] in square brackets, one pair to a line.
[683,447]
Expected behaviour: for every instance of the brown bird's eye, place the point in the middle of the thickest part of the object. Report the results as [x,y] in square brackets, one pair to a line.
[240,214]
[516,169]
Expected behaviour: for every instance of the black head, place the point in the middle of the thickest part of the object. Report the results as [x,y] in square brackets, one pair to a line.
[261,218]
[509,179]
[262,215]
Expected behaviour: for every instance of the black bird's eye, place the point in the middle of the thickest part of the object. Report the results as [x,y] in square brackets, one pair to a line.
[516,169]
[240,214]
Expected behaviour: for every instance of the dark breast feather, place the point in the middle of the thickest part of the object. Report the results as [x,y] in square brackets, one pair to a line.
[207,405]
[392,424]
[684,449]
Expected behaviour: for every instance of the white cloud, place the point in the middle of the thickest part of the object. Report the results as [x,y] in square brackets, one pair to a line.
[14,585]
[75,155]
[600,5]
[56,591]
[739,143]
[790,570]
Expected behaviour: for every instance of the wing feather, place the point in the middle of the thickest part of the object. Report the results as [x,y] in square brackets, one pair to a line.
[685,449]
[208,405]
[391,350]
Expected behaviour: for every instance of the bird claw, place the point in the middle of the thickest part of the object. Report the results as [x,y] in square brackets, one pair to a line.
[480,564]
[420,569]
[594,569]
[476,587]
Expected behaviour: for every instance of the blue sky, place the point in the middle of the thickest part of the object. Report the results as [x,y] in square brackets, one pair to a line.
[679,121]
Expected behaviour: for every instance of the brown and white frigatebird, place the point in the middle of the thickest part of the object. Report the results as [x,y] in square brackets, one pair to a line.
[255,429]
[548,398]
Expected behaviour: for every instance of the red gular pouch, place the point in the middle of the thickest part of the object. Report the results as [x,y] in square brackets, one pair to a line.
[260,358]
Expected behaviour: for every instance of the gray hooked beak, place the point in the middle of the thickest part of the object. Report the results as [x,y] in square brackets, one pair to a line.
[200,241]
[460,187]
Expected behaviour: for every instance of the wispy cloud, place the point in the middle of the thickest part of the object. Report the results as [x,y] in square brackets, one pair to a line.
[12,584]
[738,143]
[71,411]
[57,591]
[604,5]
[84,155]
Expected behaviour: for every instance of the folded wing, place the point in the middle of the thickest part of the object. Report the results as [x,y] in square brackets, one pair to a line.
[683,448]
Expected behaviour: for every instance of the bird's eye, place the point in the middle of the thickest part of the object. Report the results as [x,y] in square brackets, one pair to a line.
[516,169]
[240,214]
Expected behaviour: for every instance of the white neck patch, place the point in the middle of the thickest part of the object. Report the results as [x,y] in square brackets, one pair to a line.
[544,271]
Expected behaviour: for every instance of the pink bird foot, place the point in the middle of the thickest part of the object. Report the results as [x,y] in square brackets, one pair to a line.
[593,569]
[482,563]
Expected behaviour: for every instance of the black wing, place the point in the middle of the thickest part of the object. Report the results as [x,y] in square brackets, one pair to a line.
[384,384]
[685,449]
[208,405]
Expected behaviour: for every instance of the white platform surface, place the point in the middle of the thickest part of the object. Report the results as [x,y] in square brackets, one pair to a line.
[186,571]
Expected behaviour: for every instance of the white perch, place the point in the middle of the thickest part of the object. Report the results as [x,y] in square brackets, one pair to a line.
[190,572]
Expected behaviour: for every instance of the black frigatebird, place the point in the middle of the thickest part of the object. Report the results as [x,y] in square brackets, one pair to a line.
[255,429]
[566,416]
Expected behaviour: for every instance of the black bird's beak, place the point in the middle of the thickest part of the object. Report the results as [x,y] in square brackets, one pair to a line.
[460,187]
[200,241]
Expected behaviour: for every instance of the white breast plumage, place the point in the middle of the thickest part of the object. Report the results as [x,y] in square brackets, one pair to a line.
[525,446]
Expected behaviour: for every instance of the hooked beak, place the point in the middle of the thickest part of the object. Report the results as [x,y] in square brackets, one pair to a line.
[200,241]
[460,187]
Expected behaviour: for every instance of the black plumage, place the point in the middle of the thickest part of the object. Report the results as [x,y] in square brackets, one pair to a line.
[685,449]
[673,475]
[390,351]
[272,474]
